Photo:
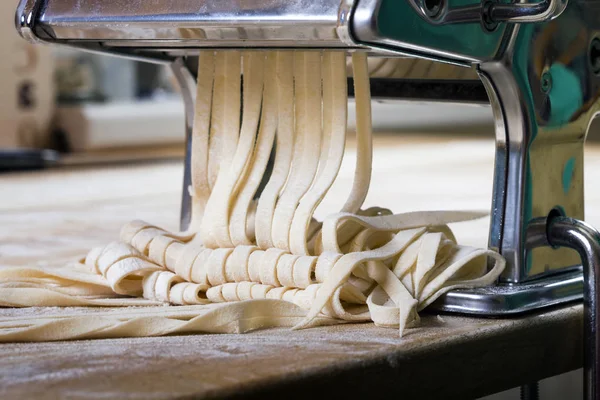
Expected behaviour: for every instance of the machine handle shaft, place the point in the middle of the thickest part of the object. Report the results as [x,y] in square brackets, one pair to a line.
[559,231]
[438,12]
[577,235]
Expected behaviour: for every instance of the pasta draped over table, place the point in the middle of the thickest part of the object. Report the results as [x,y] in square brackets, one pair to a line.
[255,256]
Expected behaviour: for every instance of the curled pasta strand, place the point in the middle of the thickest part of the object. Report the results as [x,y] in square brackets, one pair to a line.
[255,259]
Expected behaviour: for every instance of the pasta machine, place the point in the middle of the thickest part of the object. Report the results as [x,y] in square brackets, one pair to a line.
[538,65]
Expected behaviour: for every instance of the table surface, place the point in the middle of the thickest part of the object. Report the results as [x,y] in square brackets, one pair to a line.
[56,216]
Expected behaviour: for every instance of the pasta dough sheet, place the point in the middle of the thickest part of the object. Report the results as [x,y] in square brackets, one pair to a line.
[252,258]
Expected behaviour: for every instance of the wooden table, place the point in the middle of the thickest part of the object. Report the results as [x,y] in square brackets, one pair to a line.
[55,216]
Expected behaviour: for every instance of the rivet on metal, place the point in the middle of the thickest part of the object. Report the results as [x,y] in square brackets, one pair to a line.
[546,82]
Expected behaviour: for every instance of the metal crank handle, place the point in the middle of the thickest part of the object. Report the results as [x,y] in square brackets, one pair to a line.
[559,231]
[577,235]
[438,12]
[527,12]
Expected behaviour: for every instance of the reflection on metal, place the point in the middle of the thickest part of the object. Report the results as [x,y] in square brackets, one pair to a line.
[543,11]
[187,82]
[564,286]
[29,27]
[514,299]
[544,96]
[579,236]
[375,24]
[437,12]
[193,23]
[25,19]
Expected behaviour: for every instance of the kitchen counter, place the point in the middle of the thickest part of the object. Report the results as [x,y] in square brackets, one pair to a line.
[55,216]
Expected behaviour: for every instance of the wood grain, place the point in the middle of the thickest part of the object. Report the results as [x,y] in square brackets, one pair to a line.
[457,357]
[56,216]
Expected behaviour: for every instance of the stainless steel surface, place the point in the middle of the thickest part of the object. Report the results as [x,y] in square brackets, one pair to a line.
[366,32]
[344,20]
[446,15]
[544,96]
[27,24]
[513,299]
[162,29]
[580,236]
[25,19]
[506,225]
[186,82]
[497,221]
[567,285]
[542,11]
[194,23]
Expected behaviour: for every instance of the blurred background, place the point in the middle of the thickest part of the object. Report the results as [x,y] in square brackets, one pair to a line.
[94,108]
[76,103]
[83,103]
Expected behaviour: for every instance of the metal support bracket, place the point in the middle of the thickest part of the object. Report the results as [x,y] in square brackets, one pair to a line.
[505,300]
[578,283]
[187,82]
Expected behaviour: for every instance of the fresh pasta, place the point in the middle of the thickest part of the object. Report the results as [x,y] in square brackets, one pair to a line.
[256,259]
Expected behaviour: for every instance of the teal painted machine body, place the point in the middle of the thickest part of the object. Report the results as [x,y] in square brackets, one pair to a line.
[544,93]
[396,20]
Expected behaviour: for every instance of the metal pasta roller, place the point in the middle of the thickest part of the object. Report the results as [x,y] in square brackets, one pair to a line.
[538,63]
